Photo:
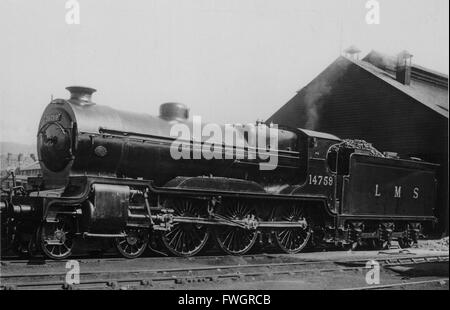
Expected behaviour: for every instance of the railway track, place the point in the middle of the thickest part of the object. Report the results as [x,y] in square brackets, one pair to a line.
[112,258]
[404,285]
[155,278]
[150,260]
[115,257]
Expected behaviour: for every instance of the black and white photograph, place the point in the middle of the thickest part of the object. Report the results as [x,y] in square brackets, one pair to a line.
[224,151]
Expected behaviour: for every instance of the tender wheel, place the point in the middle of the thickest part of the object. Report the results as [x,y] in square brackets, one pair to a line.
[186,239]
[134,244]
[409,239]
[352,246]
[56,239]
[406,243]
[236,240]
[292,240]
[377,244]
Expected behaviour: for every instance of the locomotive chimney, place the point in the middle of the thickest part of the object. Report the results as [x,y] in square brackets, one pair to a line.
[403,70]
[81,95]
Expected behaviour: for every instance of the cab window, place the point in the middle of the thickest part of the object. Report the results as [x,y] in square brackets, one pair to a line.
[331,161]
[338,161]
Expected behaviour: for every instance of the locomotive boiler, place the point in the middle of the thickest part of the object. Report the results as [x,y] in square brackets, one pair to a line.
[112,174]
[78,136]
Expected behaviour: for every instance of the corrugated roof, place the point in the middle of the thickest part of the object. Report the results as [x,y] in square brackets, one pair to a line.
[316,134]
[389,63]
[432,96]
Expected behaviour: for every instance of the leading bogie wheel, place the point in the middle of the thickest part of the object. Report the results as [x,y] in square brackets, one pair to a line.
[56,238]
[292,240]
[236,240]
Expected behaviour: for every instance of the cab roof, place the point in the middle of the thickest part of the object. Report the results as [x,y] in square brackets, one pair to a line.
[316,134]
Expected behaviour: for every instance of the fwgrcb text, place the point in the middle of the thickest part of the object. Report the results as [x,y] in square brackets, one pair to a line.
[246,299]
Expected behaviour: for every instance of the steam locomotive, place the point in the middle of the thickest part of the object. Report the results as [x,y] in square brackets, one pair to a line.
[110,174]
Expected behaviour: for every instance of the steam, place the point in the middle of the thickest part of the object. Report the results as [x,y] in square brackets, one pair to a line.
[313,103]
[316,93]
[310,99]
[382,61]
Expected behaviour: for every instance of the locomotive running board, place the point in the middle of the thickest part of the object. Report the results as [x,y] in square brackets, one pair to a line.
[201,192]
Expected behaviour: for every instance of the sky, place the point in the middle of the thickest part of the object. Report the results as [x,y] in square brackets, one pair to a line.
[229,61]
